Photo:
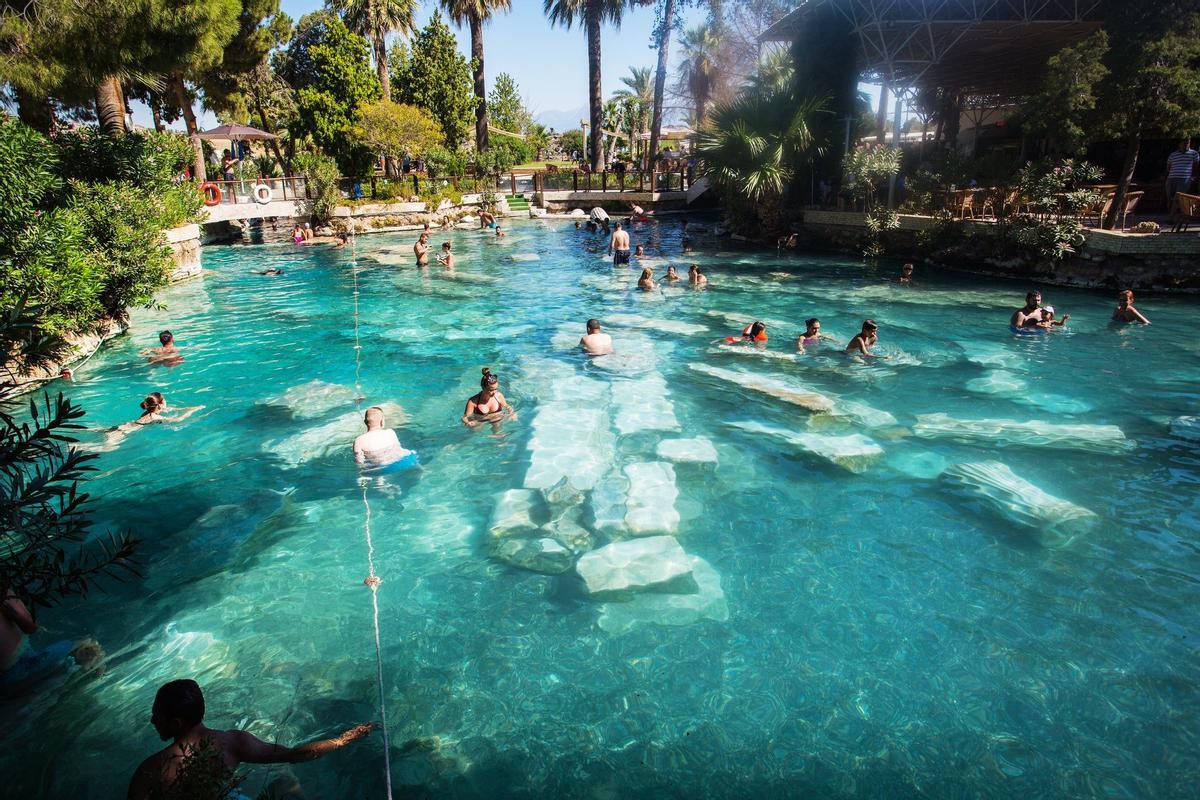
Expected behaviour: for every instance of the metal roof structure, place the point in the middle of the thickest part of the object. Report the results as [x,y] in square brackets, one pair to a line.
[980,47]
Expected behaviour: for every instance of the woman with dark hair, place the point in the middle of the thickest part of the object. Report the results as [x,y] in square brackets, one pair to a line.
[489,405]
[154,408]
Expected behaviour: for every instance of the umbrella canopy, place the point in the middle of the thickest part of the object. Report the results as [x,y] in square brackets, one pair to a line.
[236,133]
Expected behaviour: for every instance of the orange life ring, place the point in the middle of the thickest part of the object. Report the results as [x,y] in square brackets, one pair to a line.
[211,192]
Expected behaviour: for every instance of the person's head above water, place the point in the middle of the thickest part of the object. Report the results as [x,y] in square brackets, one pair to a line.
[178,706]
[166,337]
[446,246]
[756,329]
[869,326]
[907,269]
[617,226]
[1125,297]
[373,419]
[812,325]
[671,270]
[153,402]
[1033,299]
[489,379]
[593,326]
[647,274]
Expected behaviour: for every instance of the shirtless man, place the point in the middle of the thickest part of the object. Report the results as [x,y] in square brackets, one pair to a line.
[863,341]
[596,343]
[1030,314]
[906,273]
[446,259]
[421,249]
[178,715]
[379,446]
[486,220]
[167,355]
[618,246]
[695,276]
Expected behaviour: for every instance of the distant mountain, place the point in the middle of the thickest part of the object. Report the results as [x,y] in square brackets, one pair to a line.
[562,120]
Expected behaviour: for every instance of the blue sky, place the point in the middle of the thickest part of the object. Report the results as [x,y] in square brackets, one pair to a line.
[549,64]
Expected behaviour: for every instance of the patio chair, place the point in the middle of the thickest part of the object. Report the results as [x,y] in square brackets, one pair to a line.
[1189,211]
[1131,201]
[1097,209]
[965,203]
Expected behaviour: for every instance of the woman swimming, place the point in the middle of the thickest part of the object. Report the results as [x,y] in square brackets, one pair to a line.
[695,276]
[812,334]
[1125,312]
[154,408]
[489,405]
[671,275]
[646,282]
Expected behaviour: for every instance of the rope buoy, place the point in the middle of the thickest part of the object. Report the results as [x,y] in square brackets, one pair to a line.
[263,193]
[372,581]
[211,192]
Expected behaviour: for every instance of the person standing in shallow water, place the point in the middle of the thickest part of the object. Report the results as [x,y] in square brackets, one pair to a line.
[489,405]
[178,715]
[421,250]
[1125,312]
[618,247]
[1030,314]
[379,446]
[906,275]
[596,343]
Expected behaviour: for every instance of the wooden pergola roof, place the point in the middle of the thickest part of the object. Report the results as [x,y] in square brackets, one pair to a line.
[981,47]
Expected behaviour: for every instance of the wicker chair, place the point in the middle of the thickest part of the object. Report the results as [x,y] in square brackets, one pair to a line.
[1189,211]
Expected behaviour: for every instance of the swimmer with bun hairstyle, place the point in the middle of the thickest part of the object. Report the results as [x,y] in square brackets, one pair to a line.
[489,405]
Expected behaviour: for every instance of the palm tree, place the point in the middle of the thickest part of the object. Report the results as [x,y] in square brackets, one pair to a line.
[752,146]
[614,118]
[591,13]
[474,13]
[637,98]
[663,34]
[375,19]
[698,71]
[538,138]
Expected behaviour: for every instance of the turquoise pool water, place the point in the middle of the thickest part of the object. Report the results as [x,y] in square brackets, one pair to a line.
[880,629]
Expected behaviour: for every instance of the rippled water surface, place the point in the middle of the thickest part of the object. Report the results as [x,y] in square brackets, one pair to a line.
[882,630]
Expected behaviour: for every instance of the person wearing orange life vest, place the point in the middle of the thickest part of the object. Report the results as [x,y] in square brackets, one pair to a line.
[754,333]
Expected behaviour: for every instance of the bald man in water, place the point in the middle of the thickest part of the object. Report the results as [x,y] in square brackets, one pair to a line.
[379,445]
[596,343]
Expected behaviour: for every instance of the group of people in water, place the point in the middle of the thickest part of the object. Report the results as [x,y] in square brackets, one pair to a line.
[178,710]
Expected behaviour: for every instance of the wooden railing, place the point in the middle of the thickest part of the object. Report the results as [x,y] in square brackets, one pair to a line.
[402,187]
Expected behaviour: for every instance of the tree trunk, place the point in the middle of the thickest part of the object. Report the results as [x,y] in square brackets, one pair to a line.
[660,75]
[1133,145]
[481,129]
[595,104]
[156,112]
[881,113]
[953,119]
[381,66]
[35,111]
[266,126]
[189,119]
[110,106]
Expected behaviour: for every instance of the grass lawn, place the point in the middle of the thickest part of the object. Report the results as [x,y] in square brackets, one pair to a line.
[544,164]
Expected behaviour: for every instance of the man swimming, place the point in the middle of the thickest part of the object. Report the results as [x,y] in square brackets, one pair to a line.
[864,340]
[618,246]
[1029,315]
[178,715]
[421,249]
[596,343]
[906,273]
[379,446]
[167,355]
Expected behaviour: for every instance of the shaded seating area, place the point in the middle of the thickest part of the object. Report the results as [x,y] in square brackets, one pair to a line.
[1189,212]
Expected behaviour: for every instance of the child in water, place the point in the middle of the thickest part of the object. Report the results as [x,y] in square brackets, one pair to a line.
[1048,320]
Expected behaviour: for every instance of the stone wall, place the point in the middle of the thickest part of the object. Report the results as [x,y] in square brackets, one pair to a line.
[185,250]
[1108,259]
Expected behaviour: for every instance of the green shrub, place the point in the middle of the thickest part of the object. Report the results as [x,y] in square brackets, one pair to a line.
[149,161]
[440,162]
[321,177]
[29,174]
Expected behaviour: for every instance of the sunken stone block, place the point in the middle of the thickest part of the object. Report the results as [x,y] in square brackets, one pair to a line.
[623,569]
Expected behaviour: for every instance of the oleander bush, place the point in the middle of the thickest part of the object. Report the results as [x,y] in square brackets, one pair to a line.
[81,222]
